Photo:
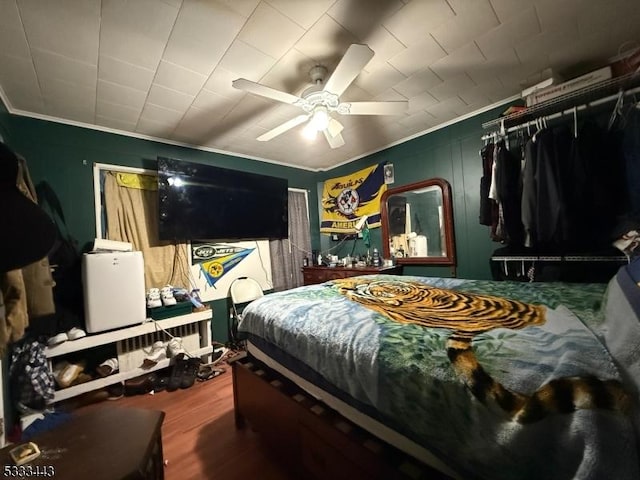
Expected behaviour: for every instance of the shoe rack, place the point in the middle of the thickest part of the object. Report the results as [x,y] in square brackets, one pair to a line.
[128,336]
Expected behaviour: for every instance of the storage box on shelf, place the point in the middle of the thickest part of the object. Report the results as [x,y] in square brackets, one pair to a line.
[131,343]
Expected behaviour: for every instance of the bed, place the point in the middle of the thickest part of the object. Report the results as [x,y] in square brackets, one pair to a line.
[478,379]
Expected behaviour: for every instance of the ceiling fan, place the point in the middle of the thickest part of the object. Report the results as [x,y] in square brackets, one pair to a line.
[323,98]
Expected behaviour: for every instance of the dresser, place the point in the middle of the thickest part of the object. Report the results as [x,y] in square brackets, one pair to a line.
[323,274]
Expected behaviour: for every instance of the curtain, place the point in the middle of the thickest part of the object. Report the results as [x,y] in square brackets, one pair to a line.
[287,254]
[132,216]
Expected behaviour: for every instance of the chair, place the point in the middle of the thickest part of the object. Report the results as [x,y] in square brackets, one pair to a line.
[243,290]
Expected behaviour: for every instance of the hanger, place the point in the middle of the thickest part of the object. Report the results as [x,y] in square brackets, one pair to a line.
[575,122]
[617,109]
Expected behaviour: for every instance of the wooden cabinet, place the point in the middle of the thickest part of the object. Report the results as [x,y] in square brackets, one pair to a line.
[314,275]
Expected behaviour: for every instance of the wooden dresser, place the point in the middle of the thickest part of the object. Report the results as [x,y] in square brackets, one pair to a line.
[323,274]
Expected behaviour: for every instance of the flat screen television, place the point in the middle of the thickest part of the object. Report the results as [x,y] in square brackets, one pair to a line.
[204,202]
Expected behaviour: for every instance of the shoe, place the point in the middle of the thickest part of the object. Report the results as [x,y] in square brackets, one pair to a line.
[174,347]
[107,367]
[166,293]
[177,372]
[190,372]
[81,378]
[157,353]
[76,333]
[57,339]
[115,391]
[160,383]
[140,385]
[153,298]
[65,373]
[207,372]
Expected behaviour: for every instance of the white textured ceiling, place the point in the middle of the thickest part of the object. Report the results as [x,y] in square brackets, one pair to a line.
[163,68]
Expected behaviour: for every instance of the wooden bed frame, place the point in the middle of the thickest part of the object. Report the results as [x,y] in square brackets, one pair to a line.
[310,438]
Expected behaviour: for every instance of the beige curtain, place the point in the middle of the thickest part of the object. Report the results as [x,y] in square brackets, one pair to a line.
[132,216]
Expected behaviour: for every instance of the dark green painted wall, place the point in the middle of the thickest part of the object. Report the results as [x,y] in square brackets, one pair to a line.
[451,153]
[64,155]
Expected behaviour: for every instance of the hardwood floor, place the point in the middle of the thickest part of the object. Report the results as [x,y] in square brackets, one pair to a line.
[200,440]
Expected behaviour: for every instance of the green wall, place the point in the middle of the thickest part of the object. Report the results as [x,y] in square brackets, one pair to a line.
[64,156]
[451,153]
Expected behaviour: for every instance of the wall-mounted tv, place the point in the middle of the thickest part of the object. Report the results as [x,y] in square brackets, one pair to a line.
[204,202]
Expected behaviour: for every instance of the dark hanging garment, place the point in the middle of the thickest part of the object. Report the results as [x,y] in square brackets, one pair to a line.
[486,204]
[631,152]
[549,192]
[510,195]
[529,194]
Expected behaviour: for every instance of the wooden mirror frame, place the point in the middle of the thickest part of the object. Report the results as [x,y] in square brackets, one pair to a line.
[447,210]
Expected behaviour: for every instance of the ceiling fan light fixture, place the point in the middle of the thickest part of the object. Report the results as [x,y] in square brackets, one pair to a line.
[309,132]
[320,118]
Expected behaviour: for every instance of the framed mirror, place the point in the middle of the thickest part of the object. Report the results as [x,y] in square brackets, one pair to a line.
[417,223]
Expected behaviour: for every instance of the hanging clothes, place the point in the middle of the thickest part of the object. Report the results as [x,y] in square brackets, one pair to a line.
[487,205]
[31,382]
[631,152]
[529,194]
[509,193]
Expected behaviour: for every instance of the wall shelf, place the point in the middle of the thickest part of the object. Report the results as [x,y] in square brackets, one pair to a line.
[594,95]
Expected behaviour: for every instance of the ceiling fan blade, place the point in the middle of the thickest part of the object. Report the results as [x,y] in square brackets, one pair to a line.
[372,108]
[280,129]
[263,90]
[354,60]
[335,127]
[335,141]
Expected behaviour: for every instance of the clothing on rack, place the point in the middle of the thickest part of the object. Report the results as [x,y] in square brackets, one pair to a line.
[567,196]
[631,152]
[487,205]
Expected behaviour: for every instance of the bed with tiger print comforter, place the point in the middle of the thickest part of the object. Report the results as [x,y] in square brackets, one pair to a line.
[499,380]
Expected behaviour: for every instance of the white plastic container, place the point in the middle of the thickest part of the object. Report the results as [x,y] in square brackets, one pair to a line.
[114,294]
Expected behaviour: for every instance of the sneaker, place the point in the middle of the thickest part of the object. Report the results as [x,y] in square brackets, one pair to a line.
[157,353]
[153,298]
[57,339]
[76,333]
[166,293]
[107,367]
[174,347]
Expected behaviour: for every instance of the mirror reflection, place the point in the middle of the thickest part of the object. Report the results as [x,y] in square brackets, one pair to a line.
[417,223]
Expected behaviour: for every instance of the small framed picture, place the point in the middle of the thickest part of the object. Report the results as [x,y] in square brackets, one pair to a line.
[388,173]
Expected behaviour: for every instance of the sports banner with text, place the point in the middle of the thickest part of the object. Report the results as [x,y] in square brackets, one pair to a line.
[347,199]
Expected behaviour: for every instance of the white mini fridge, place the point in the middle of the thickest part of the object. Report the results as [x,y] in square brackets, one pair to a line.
[114,293]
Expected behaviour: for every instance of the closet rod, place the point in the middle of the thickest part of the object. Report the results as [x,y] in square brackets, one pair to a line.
[570,111]
[558,258]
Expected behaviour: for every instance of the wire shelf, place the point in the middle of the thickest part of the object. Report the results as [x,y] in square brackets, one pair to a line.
[592,95]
